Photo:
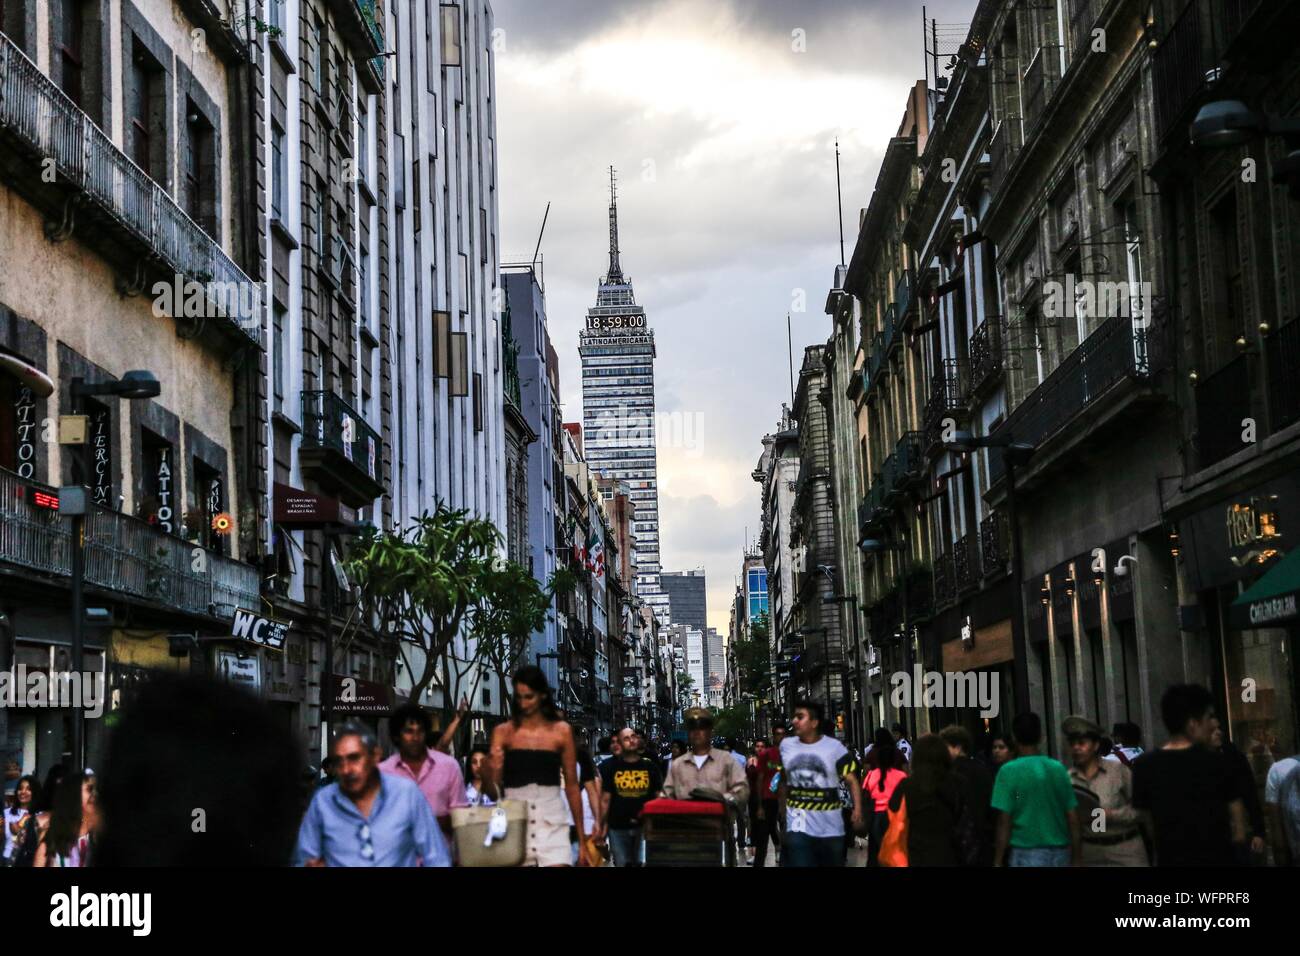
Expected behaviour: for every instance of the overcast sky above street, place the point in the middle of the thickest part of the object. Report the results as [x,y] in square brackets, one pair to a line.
[723,137]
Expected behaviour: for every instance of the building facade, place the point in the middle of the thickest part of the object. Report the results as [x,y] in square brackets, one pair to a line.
[686,592]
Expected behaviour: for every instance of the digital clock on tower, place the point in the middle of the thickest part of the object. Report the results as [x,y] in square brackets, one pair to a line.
[614,323]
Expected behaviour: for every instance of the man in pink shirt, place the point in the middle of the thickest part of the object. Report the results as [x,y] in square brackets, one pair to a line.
[436,774]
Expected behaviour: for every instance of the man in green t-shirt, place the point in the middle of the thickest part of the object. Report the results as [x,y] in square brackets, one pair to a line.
[1037,819]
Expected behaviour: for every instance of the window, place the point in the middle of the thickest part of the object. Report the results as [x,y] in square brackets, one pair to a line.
[321,226]
[71,51]
[364,294]
[1133,261]
[1229,289]
[279,357]
[200,169]
[459,364]
[478,402]
[442,344]
[279,172]
[207,501]
[319,41]
[450,34]
[158,485]
[415,194]
[148,141]
[275,11]
[363,137]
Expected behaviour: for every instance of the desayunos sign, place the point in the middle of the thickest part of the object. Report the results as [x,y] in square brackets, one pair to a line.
[255,629]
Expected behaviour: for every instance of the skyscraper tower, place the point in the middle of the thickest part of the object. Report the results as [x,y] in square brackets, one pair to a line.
[618,406]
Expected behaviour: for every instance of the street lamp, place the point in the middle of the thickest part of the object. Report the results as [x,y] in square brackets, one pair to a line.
[1223,124]
[74,502]
[1014,453]
[879,546]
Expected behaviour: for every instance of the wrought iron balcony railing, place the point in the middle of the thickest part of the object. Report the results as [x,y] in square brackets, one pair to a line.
[965,561]
[123,554]
[1179,67]
[995,549]
[905,466]
[945,579]
[985,357]
[871,510]
[46,123]
[339,448]
[1120,349]
[904,297]
[947,399]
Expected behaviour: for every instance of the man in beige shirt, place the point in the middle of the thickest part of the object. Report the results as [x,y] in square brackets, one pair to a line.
[703,765]
[1108,821]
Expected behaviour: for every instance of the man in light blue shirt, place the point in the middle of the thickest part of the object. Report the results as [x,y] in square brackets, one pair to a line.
[368,818]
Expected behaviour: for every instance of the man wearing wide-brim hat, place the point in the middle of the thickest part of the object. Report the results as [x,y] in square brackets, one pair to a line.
[1104,788]
[703,766]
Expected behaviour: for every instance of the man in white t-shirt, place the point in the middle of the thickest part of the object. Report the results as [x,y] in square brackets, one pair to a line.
[812,766]
[1282,796]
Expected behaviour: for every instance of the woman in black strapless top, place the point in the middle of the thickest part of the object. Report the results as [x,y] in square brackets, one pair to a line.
[534,760]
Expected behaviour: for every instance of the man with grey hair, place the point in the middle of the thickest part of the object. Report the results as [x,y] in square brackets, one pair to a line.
[367,818]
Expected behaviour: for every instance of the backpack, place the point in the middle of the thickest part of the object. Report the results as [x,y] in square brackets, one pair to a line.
[893,849]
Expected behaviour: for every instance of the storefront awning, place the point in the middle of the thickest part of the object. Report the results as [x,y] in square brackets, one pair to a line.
[1273,600]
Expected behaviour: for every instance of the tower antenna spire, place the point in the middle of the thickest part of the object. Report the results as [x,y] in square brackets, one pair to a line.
[615,276]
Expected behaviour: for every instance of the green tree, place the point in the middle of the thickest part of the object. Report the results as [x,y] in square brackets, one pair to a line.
[440,588]
[731,721]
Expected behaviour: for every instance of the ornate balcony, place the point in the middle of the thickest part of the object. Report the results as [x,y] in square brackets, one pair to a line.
[905,298]
[1119,350]
[339,449]
[108,201]
[1222,402]
[124,556]
[1283,350]
[904,467]
[986,359]
[945,579]
[995,549]
[947,400]
[965,562]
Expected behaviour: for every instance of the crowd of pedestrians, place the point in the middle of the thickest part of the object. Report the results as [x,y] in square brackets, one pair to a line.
[194,777]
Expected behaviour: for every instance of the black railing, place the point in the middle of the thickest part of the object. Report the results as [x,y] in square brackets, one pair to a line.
[947,399]
[1283,349]
[965,561]
[872,507]
[123,554]
[45,121]
[995,550]
[945,579]
[1118,350]
[904,466]
[1236,15]
[904,298]
[985,356]
[329,422]
[1222,401]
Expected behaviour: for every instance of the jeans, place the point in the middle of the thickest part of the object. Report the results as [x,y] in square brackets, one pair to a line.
[801,850]
[879,825]
[766,829]
[1038,856]
[625,845]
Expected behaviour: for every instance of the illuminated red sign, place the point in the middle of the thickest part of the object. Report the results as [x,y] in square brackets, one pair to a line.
[43,500]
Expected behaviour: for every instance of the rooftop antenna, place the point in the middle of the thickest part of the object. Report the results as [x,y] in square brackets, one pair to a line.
[789,342]
[615,276]
[540,234]
[839,198]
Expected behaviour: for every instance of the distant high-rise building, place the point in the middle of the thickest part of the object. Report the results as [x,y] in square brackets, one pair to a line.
[686,592]
[618,404]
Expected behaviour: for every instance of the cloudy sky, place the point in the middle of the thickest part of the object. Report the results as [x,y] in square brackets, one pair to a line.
[721,118]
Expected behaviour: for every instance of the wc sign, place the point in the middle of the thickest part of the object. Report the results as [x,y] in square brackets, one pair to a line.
[259,630]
